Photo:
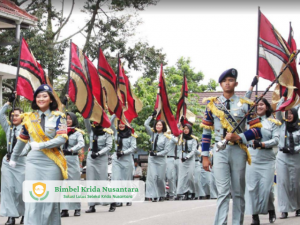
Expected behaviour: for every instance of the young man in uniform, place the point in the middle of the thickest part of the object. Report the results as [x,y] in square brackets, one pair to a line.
[222,115]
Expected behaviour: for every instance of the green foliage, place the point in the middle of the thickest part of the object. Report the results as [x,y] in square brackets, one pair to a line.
[146,91]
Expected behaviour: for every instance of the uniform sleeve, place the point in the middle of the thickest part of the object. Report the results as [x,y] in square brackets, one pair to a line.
[148,128]
[208,125]
[22,141]
[275,137]
[112,126]
[90,131]
[88,125]
[254,124]
[108,145]
[248,94]
[297,147]
[250,134]
[166,148]
[278,113]
[132,146]
[3,120]
[60,138]
[194,149]
[26,149]
[80,143]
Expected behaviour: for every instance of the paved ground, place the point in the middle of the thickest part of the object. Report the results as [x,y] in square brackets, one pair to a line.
[200,212]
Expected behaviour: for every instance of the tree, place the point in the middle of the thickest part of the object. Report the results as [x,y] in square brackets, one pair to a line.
[146,90]
[106,26]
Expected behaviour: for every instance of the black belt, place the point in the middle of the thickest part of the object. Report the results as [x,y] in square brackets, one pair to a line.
[186,151]
[70,153]
[197,160]
[171,156]
[252,146]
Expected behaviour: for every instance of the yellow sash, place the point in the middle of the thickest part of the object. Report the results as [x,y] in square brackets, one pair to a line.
[36,132]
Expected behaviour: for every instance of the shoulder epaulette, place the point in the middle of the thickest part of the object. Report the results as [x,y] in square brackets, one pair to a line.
[196,138]
[152,130]
[206,100]
[22,115]
[134,135]
[245,100]
[81,131]
[58,113]
[108,130]
[275,121]
[9,123]
[167,136]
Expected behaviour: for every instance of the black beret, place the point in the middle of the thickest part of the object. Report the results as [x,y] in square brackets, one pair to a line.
[228,73]
[43,87]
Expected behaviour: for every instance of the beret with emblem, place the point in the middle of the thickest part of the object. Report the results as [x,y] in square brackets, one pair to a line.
[228,73]
[42,88]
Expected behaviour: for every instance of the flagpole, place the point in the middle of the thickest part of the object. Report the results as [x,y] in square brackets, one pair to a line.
[14,102]
[183,92]
[257,56]
[69,72]
[221,145]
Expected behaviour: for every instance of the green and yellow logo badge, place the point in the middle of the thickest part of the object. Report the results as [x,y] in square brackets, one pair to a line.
[39,190]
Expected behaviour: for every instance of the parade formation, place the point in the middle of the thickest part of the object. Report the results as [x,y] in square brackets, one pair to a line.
[235,157]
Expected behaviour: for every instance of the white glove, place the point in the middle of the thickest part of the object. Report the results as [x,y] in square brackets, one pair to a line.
[12,163]
[34,146]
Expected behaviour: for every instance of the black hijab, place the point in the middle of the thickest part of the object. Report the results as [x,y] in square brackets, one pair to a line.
[97,131]
[71,130]
[126,133]
[74,119]
[187,136]
[294,125]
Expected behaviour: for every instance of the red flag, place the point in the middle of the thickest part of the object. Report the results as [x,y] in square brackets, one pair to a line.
[109,83]
[31,75]
[162,105]
[181,105]
[274,53]
[82,75]
[134,105]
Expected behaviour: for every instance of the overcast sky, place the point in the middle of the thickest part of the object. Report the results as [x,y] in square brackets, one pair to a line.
[216,35]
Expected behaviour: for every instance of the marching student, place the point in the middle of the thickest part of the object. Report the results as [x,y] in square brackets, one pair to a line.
[12,205]
[186,185]
[97,159]
[287,162]
[46,129]
[74,143]
[156,171]
[125,146]
[222,113]
[260,174]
